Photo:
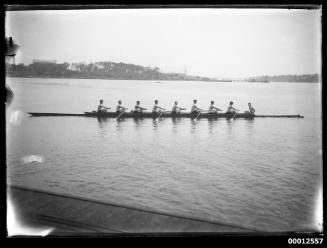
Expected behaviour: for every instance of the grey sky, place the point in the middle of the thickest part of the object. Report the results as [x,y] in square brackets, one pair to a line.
[207,42]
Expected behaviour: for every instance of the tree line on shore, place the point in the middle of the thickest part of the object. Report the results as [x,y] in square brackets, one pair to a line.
[312,78]
[102,70]
[112,70]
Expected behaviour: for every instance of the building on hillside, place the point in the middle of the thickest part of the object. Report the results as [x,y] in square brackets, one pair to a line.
[74,67]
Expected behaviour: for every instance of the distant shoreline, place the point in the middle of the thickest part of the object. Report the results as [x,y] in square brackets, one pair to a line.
[120,71]
[123,79]
[159,81]
[103,78]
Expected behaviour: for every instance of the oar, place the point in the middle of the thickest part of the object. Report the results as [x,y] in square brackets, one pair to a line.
[198,114]
[119,115]
[159,116]
[234,116]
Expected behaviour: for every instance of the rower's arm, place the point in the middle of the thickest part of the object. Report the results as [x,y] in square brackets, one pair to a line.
[122,108]
[102,107]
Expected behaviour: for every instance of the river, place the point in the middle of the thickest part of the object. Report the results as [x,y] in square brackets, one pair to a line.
[264,174]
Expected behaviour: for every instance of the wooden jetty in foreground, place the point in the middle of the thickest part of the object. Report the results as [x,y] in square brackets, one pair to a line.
[75,216]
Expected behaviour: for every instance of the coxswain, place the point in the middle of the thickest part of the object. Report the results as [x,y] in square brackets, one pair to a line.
[212,108]
[251,109]
[231,109]
[195,109]
[176,109]
[156,108]
[120,108]
[138,108]
[102,108]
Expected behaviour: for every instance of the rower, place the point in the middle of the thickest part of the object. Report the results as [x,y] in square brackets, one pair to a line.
[251,109]
[120,108]
[195,109]
[102,108]
[156,108]
[176,109]
[231,109]
[138,108]
[212,108]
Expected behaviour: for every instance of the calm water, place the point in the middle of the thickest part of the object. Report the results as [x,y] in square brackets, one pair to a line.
[264,174]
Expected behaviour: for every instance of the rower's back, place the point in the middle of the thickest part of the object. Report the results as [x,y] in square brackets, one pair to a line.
[194,108]
[174,109]
[155,107]
[138,109]
[100,106]
[251,109]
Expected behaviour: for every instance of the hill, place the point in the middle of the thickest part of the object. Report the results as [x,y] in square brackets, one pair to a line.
[112,70]
[101,70]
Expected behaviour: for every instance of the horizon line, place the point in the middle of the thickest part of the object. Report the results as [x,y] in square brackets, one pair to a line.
[160,70]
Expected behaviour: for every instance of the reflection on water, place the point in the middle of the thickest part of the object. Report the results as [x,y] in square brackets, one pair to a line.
[194,124]
[138,122]
[249,124]
[230,123]
[102,119]
[212,124]
[119,123]
[155,124]
[175,123]
[102,124]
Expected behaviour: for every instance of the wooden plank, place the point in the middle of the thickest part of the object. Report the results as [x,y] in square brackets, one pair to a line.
[63,212]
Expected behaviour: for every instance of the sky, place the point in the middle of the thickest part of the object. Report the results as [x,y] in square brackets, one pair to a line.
[205,42]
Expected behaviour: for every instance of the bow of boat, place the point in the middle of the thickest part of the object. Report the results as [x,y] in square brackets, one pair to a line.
[54,114]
